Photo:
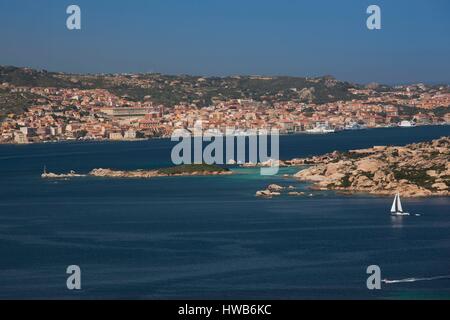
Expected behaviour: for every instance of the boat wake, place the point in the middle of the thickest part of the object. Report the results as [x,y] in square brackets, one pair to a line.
[415,279]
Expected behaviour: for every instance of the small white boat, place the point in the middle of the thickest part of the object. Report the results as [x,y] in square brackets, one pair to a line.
[397,209]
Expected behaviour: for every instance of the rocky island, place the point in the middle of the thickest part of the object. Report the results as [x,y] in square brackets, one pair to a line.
[181,170]
[275,190]
[415,170]
[51,175]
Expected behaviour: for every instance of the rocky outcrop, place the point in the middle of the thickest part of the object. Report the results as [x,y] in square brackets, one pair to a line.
[274,190]
[185,170]
[268,163]
[151,173]
[124,174]
[51,175]
[271,191]
[267,193]
[275,187]
[416,170]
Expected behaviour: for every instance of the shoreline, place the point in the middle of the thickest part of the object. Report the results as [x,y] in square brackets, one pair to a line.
[177,171]
[300,133]
[414,170]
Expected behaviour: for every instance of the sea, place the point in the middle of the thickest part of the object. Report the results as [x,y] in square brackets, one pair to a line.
[210,237]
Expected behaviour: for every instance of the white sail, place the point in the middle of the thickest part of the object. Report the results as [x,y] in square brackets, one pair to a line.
[394,204]
[399,204]
[397,208]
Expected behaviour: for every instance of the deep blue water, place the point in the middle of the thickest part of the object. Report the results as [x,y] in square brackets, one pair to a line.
[209,237]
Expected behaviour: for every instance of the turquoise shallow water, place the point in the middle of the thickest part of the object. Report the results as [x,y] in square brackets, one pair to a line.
[209,237]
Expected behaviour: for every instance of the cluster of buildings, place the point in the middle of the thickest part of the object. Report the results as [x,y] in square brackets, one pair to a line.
[97,114]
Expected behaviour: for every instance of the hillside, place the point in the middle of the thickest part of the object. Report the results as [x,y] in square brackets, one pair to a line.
[15,102]
[202,91]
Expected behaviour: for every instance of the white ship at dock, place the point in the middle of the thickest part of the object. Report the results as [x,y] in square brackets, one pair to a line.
[321,128]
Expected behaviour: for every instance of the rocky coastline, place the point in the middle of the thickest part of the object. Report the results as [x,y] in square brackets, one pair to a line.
[415,170]
[184,170]
[275,190]
[109,173]
[51,175]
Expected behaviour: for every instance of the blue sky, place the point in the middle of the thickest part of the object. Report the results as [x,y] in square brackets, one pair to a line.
[227,37]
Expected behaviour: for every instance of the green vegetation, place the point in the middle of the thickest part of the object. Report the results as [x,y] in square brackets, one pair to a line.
[34,78]
[15,102]
[411,111]
[368,175]
[446,180]
[345,182]
[191,168]
[441,111]
[395,153]
[354,155]
[171,90]
[415,176]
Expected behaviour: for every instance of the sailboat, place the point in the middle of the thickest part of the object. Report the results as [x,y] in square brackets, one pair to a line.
[397,209]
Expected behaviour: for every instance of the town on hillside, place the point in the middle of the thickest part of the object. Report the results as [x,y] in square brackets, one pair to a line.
[36,106]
